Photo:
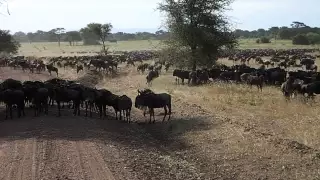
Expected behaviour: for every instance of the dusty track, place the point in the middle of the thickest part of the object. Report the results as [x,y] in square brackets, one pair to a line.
[69,147]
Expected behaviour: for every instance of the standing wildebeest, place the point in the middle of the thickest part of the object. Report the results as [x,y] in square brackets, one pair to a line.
[310,89]
[123,104]
[79,68]
[51,68]
[148,98]
[287,87]
[11,97]
[41,100]
[256,80]
[151,76]
[182,74]
[64,94]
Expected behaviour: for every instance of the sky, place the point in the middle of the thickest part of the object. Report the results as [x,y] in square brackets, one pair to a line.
[141,15]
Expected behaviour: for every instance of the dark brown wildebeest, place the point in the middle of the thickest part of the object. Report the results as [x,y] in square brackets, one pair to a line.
[51,68]
[152,100]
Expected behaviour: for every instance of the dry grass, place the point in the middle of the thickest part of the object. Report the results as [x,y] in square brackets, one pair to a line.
[52,48]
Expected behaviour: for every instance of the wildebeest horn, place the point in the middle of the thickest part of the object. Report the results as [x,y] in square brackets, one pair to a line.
[139,91]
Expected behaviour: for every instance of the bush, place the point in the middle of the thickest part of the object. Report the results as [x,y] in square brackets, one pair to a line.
[7,43]
[90,42]
[300,39]
[314,38]
[263,40]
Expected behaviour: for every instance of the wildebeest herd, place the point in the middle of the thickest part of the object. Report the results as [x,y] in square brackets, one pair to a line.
[274,70]
[41,95]
[107,63]
[301,78]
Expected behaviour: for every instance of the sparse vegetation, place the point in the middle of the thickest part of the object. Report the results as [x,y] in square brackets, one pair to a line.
[263,40]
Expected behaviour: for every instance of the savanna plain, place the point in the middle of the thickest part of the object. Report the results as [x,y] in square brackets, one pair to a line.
[217,131]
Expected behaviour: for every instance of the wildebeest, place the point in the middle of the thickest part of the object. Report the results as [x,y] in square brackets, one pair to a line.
[256,80]
[287,87]
[310,89]
[13,97]
[151,76]
[51,68]
[79,68]
[41,100]
[182,74]
[148,98]
[123,104]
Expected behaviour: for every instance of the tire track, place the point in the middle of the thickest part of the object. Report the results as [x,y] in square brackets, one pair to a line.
[27,165]
[18,155]
[94,161]
[84,174]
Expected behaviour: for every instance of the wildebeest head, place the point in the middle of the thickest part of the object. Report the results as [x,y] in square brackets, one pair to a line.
[141,98]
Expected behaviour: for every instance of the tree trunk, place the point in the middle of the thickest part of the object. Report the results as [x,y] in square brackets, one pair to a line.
[59,42]
[194,59]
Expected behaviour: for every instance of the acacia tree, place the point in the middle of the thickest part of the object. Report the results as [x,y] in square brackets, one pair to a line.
[7,43]
[200,27]
[58,32]
[73,36]
[102,31]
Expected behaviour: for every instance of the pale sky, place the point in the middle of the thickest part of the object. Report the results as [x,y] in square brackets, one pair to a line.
[141,15]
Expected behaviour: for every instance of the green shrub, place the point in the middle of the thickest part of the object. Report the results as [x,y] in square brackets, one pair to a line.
[300,39]
[263,40]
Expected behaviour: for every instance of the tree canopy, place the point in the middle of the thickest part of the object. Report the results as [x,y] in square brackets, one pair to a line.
[199,26]
[101,30]
[7,43]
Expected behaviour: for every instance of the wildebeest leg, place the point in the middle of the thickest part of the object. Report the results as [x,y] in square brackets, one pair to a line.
[165,113]
[150,112]
[22,109]
[116,114]
[169,107]
[129,113]
[154,120]
[19,111]
[100,110]
[90,107]
[7,110]
[10,110]
[86,103]
[81,104]
[144,112]
[104,107]
[35,109]
[59,107]
[45,104]
[78,107]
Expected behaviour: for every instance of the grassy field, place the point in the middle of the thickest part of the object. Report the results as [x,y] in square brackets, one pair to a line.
[229,131]
[52,48]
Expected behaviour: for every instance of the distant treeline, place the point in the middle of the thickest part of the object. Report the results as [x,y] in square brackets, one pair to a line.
[77,36]
[283,32]
[297,30]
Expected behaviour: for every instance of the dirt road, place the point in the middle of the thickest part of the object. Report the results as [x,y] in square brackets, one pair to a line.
[48,147]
